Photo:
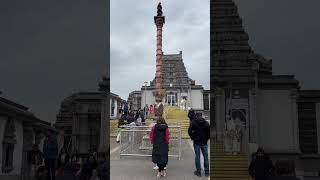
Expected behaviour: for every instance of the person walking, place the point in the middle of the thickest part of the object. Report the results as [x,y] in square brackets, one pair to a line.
[199,132]
[151,109]
[261,167]
[121,122]
[146,111]
[63,159]
[36,159]
[126,109]
[50,152]
[160,139]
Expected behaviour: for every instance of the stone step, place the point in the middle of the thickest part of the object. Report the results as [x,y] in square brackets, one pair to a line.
[217,175]
[217,159]
[233,172]
[227,164]
[223,169]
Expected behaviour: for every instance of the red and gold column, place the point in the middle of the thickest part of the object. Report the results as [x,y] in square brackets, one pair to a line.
[159,20]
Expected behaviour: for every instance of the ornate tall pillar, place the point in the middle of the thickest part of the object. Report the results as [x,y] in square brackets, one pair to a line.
[104,88]
[159,20]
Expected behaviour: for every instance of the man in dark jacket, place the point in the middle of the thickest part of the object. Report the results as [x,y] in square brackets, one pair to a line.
[50,152]
[261,166]
[199,132]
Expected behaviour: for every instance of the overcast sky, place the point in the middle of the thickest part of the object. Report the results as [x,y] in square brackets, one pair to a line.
[133,41]
[49,50]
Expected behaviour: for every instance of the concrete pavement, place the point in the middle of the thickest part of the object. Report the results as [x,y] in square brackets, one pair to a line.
[140,168]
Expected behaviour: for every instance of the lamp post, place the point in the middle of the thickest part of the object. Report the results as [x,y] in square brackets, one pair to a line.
[171,103]
[189,98]
[145,93]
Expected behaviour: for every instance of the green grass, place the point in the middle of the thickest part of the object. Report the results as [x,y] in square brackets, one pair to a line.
[175,113]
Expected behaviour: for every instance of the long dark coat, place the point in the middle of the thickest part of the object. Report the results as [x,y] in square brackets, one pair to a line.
[160,145]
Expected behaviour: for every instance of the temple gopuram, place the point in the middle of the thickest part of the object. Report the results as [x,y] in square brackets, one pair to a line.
[274,111]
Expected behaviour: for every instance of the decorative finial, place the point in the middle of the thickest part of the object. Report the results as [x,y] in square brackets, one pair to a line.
[159,9]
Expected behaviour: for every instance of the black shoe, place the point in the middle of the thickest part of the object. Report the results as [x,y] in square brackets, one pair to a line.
[197,173]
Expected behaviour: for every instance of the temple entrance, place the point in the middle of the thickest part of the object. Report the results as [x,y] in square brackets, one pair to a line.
[171,99]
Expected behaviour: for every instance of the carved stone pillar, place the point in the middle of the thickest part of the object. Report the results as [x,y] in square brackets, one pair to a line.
[318,124]
[220,112]
[254,124]
[295,123]
[104,124]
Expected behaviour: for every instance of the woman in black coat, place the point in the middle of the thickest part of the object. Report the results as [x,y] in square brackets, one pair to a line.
[160,139]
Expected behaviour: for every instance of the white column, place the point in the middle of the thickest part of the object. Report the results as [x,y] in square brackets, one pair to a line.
[318,124]
[294,117]
[253,125]
[3,121]
[209,101]
[220,112]
[75,124]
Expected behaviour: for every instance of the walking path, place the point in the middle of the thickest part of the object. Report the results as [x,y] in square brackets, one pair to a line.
[140,168]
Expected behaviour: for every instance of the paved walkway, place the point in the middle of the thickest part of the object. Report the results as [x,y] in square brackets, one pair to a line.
[140,168]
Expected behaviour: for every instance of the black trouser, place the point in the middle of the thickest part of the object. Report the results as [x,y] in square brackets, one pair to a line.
[50,166]
[161,167]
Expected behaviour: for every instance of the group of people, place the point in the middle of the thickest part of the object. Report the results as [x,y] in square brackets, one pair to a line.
[146,112]
[262,168]
[52,163]
[134,117]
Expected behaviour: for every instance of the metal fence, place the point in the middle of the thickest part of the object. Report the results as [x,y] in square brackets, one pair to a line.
[135,141]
